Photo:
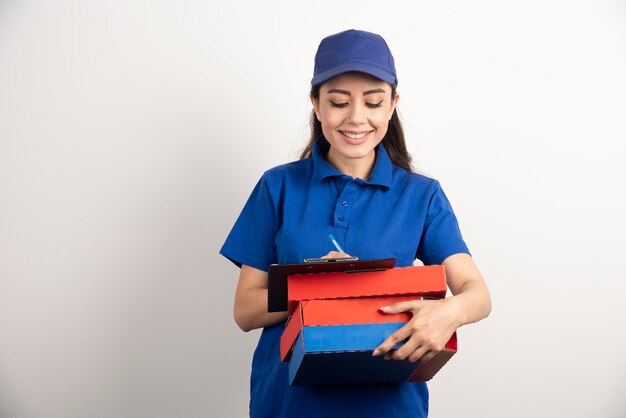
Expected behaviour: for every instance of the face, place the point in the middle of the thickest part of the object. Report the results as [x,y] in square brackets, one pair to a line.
[354,110]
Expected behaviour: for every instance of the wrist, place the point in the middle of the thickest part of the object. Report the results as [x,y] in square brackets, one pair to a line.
[456,311]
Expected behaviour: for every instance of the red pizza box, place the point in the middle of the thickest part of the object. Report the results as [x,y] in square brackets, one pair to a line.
[409,281]
[338,312]
[335,323]
[342,353]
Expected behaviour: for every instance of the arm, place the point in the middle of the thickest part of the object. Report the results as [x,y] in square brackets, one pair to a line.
[250,309]
[434,321]
[251,298]
[471,296]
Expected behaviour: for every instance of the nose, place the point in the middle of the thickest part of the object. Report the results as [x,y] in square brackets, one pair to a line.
[357,114]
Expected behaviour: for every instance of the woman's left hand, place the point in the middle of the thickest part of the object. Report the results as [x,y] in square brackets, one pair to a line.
[426,334]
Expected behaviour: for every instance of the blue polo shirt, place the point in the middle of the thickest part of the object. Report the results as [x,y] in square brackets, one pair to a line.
[288,217]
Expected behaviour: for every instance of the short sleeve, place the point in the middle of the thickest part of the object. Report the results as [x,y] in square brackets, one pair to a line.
[251,241]
[441,236]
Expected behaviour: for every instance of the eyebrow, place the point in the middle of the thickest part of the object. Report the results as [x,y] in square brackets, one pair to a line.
[347,93]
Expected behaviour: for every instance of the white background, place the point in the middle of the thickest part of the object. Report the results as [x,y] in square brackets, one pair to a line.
[131,134]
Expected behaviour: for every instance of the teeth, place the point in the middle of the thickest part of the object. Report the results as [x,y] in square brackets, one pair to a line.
[355,136]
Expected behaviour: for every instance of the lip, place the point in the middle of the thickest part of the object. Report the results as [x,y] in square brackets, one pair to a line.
[355,141]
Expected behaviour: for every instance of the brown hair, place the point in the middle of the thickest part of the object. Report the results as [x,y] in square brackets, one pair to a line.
[393,141]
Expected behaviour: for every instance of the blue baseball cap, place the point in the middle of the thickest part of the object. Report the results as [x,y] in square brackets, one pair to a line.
[354,50]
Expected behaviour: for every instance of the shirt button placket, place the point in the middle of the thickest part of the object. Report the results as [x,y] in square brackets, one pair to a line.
[342,208]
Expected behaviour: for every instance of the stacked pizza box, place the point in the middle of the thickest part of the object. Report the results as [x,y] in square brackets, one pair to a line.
[335,324]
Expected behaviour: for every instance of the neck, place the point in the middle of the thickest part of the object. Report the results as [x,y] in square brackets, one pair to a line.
[353,167]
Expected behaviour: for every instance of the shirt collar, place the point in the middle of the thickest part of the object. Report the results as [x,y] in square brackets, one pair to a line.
[380,175]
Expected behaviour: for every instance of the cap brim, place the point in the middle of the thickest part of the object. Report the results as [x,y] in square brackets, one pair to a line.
[355,66]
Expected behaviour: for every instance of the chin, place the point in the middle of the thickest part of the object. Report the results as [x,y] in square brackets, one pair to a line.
[355,155]
[358,148]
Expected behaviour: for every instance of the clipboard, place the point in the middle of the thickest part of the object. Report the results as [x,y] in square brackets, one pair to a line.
[277,298]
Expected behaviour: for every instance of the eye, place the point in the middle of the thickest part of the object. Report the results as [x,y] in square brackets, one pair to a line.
[339,105]
[374,105]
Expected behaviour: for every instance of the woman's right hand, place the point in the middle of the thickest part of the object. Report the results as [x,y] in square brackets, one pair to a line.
[336,254]
[250,310]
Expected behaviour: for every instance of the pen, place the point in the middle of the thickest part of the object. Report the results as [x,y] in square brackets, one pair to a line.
[336,244]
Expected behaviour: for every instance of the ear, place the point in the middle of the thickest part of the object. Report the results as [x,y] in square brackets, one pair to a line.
[394,103]
[316,107]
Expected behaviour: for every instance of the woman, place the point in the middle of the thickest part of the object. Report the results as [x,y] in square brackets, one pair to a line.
[354,181]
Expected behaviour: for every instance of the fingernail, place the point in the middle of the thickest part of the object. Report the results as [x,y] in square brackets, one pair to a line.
[384,308]
[376,352]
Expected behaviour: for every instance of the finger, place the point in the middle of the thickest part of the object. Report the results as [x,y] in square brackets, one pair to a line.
[409,305]
[400,335]
[428,356]
[417,354]
[404,350]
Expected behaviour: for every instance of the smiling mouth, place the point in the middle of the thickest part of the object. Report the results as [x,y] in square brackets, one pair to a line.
[355,135]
